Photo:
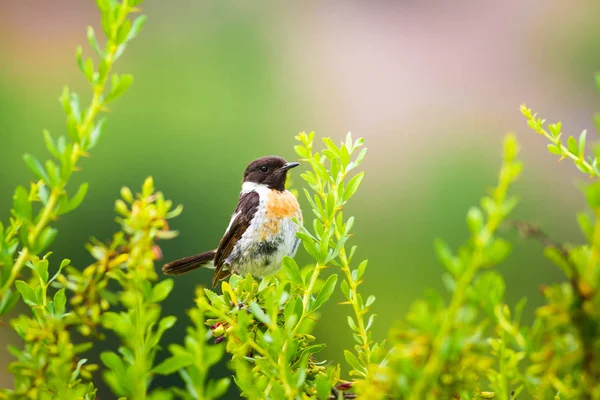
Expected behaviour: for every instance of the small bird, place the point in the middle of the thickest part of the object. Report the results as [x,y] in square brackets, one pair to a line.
[261,230]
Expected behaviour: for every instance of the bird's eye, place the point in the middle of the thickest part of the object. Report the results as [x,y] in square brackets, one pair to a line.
[264,168]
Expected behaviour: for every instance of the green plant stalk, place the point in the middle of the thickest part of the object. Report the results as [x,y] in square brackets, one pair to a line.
[537,125]
[434,363]
[279,365]
[250,342]
[290,391]
[502,384]
[595,256]
[139,388]
[92,112]
[306,296]
[566,152]
[25,254]
[355,307]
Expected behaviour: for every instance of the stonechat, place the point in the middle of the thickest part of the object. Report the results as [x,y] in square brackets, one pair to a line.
[261,231]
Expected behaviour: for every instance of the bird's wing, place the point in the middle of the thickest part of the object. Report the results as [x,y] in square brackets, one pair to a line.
[240,221]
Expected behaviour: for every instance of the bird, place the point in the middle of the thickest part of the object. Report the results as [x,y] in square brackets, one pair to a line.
[261,231]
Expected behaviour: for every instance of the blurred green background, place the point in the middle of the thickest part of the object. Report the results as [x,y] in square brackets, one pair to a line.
[431,85]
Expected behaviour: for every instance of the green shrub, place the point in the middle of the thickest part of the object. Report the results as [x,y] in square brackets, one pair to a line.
[472,346]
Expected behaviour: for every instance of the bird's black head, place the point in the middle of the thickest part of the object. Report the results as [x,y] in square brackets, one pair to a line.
[270,171]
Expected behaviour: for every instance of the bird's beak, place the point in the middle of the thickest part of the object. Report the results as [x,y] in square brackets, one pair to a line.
[290,165]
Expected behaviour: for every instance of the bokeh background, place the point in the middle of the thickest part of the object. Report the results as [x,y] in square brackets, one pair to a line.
[432,85]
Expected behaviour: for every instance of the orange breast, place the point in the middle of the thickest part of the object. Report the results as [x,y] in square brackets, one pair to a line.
[280,206]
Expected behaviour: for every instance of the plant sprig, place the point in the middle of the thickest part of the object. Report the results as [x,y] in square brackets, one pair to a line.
[575,149]
[332,185]
[35,233]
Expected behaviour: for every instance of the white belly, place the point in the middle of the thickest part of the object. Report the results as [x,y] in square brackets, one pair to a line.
[270,237]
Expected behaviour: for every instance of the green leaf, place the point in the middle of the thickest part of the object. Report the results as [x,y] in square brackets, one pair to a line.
[344,157]
[330,204]
[309,246]
[554,149]
[120,85]
[137,26]
[8,301]
[63,264]
[60,302]
[352,324]
[173,364]
[21,204]
[166,323]
[345,288]
[53,173]
[91,36]
[96,133]
[302,151]
[78,56]
[572,145]
[41,267]
[75,201]
[361,269]
[370,300]
[35,166]
[161,290]
[27,293]
[50,145]
[354,363]
[259,313]
[292,271]
[555,255]
[113,362]
[325,293]
[75,373]
[475,220]
[582,138]
[324,387]
[331,146]
[216,389]
[123,31]
[586,225]
[45,239]
[353,185]
[65,100]
[89,70]
[446,257]
[498,251]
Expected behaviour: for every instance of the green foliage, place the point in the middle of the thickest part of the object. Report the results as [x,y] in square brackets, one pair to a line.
[46,367]
[471,346]
[266,326]
[33,210]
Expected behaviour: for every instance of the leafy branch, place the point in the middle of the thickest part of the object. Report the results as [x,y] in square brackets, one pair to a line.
[332,188]
[483,250]
[35,234]
[575,149]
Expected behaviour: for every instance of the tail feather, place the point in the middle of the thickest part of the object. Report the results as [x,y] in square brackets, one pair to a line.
[187,264]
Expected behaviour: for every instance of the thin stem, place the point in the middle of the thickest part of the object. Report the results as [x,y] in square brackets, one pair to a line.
[435,363]
[24,256]
[362,332]
[92,112]
[307,295]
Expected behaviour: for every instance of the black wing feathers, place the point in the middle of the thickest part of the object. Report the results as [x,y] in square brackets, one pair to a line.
[246,208]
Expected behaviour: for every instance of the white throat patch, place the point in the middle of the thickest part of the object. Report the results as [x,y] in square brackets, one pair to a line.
[259,188]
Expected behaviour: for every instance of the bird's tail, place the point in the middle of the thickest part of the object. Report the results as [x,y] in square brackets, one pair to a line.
[184,265]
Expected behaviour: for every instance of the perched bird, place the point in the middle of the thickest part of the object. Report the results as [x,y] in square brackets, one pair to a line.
[261,231]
